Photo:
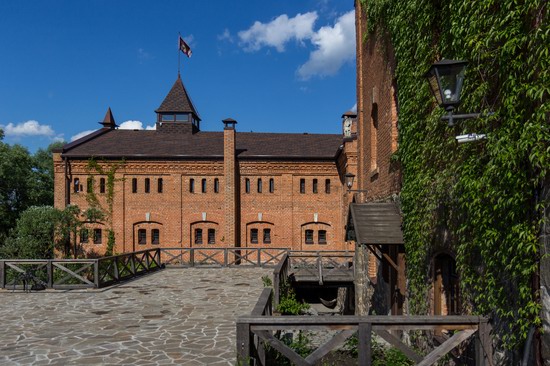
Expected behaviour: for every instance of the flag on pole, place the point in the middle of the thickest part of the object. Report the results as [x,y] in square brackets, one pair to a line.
[184,47]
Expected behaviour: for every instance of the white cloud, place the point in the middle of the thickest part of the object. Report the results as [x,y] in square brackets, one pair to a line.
[354,108]
[134,125]
[81,134]
[334,47]
[28,128]
[278,32]
[225,36]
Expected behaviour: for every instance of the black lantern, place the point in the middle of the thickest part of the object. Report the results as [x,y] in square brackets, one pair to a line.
[446,78]
[349,180]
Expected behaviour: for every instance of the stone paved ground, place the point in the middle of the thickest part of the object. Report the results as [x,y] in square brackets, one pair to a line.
[176,316]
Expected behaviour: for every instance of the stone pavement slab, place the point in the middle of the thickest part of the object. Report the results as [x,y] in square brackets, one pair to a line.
[183,316]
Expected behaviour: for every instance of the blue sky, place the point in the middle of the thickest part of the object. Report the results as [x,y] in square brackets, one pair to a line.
[274,66]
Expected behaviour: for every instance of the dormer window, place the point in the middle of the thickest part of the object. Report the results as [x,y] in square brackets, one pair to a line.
[177,117]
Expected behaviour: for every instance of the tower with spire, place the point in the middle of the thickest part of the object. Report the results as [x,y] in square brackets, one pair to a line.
[177,113]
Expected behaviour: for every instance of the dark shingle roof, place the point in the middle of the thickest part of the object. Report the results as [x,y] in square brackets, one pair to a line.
[177,101]
[155,144]
[376,223]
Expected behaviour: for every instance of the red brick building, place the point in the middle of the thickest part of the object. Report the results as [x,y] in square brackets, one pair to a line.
[178,186]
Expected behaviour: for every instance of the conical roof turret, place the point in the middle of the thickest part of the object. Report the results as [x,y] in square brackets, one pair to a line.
[178,101]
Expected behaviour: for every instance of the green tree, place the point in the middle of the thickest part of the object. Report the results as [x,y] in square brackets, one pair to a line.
[33,235]
[16,174]
[43,175]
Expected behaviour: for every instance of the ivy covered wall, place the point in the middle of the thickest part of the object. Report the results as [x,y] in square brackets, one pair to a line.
[480,200]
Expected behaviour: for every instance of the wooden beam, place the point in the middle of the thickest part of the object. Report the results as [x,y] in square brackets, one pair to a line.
[281,347]
[446,347]
[333,343]
[364,335]
[396,342]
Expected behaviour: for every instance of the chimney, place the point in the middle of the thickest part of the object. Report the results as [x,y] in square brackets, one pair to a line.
[232,237]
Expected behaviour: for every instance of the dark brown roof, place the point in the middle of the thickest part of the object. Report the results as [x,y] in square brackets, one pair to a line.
[375,223]
[178,101]
[155,144]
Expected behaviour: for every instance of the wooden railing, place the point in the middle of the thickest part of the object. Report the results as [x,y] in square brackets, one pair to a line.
[223,257]
[32,274]
[256,331]
[321,265]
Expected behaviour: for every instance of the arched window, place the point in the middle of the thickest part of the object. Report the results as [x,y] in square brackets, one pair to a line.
[254,236]
[309,236]
[211,236]
[267,236]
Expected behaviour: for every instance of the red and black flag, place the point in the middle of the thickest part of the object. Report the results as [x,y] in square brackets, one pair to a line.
[184,47]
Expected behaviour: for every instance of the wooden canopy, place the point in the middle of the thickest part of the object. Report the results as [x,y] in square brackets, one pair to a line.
[374,223]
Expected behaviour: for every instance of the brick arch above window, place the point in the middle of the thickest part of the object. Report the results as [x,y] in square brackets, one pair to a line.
[316,233]
[260,232]
[204,233]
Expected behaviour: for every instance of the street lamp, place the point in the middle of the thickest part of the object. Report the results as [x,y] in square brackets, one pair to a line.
[446,78]
[349,180]
[349,177]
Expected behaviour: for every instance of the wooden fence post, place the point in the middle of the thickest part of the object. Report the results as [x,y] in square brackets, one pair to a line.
[2,274]
[364,334]
[96,273]
[243,343]
[49,273]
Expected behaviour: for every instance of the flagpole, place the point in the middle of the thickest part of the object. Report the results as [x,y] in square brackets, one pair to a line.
[179,63]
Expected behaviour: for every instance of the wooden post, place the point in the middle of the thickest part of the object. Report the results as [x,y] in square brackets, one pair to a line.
[49,273]
[96,273]
[364,347]
[2,274]
[243,343]
[360,268]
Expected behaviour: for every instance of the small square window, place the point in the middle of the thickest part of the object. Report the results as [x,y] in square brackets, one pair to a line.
[259,185]
[309,237]
[198,236]
[142,236]
[322,236]
[155,236]
[97,236]
[211,236]
[267,236]
[254,236]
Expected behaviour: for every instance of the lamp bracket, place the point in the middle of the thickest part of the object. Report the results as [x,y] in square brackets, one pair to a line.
[450,117]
